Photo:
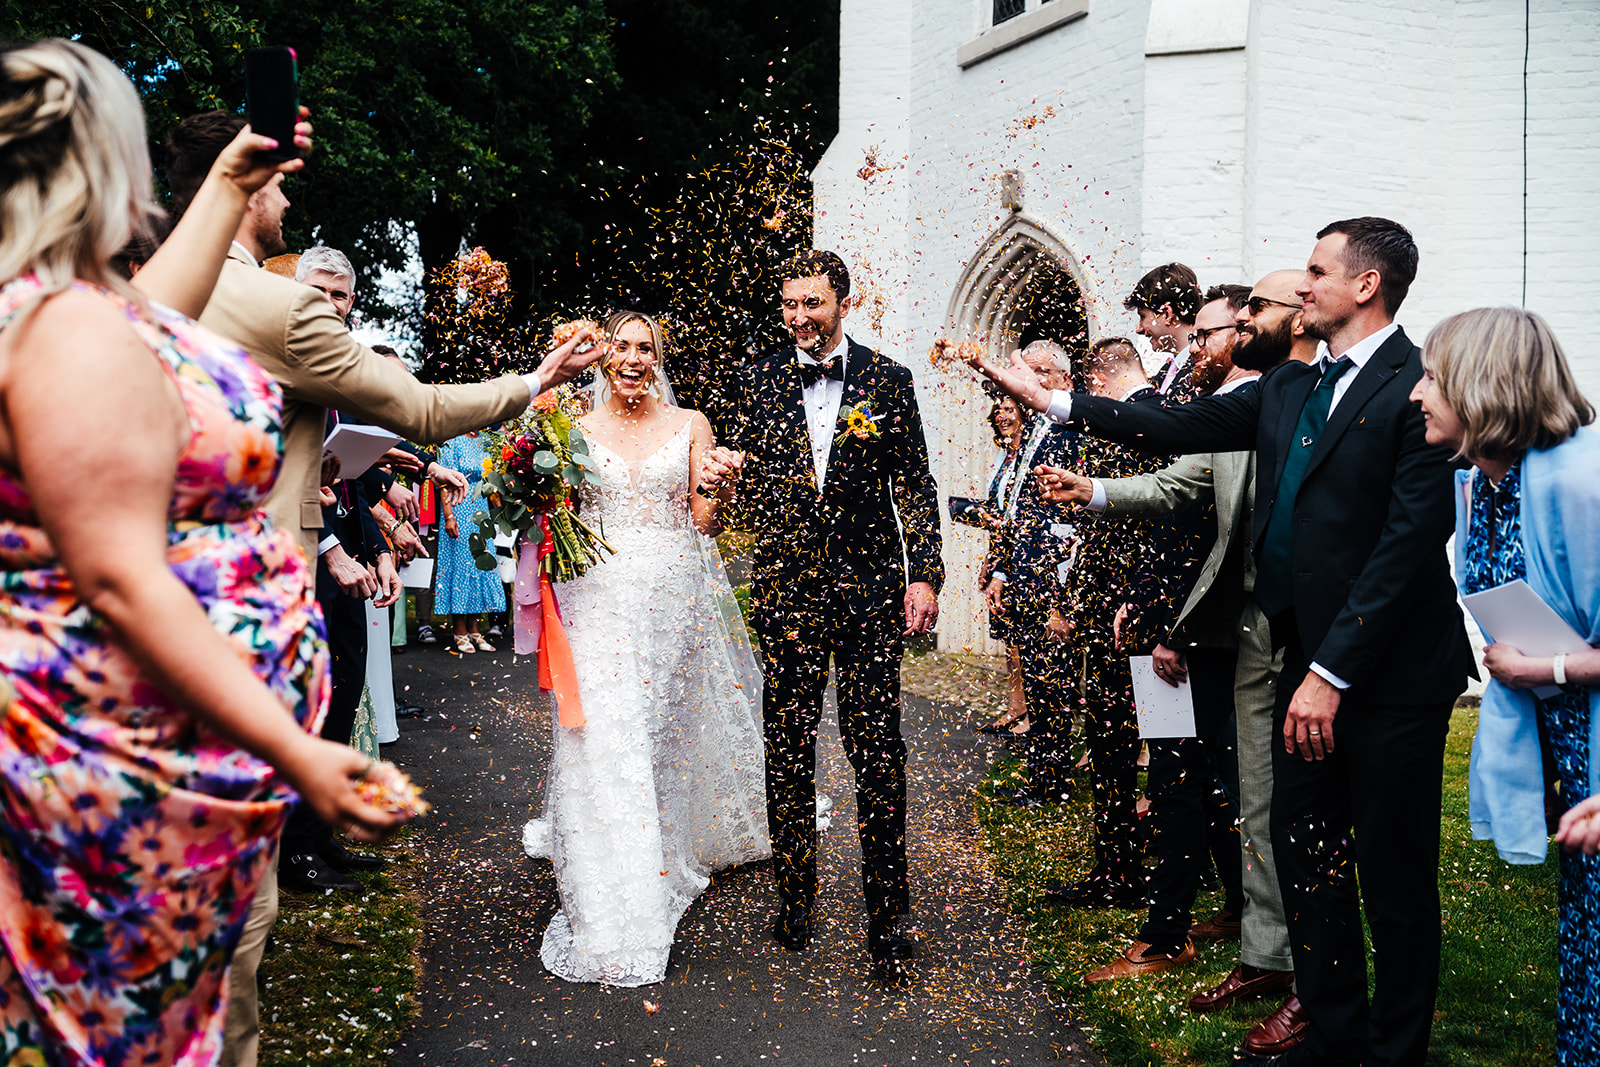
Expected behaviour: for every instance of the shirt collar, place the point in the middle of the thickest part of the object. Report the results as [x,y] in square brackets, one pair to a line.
[1361,351]
[245,252]
[840,351]
[1237,383]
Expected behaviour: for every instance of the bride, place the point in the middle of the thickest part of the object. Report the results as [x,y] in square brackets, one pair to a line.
[665,781]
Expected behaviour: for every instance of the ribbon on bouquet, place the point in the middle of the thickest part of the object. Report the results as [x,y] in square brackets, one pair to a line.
[536,626]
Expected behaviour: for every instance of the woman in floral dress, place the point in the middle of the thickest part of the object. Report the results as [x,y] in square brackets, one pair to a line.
[160,657]
[1496,388]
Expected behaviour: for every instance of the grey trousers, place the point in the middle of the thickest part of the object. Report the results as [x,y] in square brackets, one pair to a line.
[241,1041]
[1264,940]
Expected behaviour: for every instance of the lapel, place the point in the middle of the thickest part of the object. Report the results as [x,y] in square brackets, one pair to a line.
[1384,365]
[1295,395]
[791,437]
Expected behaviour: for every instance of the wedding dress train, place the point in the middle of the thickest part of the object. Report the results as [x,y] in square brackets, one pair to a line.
[665,782]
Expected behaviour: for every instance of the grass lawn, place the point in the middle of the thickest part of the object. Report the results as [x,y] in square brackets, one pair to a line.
[1497,981]
[341,972]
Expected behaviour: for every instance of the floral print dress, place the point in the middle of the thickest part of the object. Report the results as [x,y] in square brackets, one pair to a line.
[1495,555]
[132,837]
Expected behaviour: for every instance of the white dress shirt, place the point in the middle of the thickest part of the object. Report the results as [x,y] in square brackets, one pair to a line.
[1357,354]
[822,401]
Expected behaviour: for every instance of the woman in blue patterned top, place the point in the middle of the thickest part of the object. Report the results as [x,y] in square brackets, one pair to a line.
[1497,389]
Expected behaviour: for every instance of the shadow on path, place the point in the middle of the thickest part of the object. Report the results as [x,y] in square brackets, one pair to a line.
[731,997]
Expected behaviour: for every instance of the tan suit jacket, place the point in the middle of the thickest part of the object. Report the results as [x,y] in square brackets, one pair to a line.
[294,333]
[1210,615]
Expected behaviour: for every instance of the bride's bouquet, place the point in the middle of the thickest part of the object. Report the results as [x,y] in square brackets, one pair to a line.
[532,469]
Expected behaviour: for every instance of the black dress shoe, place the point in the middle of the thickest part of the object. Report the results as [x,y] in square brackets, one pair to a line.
[792,929]
[407,711]
[310,873]
[344,861]
[886,942]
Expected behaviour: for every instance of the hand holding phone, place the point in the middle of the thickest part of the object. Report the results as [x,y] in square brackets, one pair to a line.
[272,98]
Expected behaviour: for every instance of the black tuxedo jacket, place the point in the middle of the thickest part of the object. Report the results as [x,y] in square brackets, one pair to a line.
[839,546]
[1373,599]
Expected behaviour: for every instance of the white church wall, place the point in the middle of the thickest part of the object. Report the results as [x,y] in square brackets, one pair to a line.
[1059,109]
[1414,111]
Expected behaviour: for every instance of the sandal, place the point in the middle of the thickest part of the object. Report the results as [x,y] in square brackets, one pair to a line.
[482,642]
[464,644]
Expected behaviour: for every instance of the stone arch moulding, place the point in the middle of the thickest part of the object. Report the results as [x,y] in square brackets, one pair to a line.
[985,294]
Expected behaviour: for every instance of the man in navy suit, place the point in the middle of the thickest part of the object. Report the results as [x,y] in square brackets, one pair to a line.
[829,451]
[1352,512]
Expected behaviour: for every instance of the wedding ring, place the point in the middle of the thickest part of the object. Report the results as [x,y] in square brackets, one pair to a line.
[1316,733]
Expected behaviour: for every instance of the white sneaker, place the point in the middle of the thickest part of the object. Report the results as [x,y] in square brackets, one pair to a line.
[425,635]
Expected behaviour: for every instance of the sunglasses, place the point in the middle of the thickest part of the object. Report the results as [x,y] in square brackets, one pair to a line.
[1258,304]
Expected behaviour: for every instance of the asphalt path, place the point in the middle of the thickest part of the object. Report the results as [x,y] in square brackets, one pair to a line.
[731,997]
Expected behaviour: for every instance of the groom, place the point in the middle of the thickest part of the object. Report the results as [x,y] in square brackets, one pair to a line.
[828,446]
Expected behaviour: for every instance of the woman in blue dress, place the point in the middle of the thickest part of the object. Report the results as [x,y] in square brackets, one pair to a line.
[1496,388]
[460,588]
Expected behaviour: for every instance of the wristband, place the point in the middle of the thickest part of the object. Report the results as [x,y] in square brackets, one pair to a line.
[1558,668]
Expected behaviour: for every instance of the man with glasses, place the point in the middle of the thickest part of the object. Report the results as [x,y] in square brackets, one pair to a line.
[1351,517]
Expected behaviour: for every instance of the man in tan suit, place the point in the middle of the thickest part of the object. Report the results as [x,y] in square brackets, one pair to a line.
[294,332]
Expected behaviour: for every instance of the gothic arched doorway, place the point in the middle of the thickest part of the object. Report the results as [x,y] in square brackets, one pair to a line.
[1024,284]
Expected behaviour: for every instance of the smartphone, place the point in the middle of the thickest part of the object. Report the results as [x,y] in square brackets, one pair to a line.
[272,97]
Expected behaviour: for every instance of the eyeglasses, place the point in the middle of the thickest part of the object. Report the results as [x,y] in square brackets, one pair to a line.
[1258,304]
[1201,337]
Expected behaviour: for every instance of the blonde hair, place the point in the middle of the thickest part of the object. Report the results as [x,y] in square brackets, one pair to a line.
[1503,373]
[77,180]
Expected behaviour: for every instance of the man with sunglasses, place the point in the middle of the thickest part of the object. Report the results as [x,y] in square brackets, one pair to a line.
[1352,512]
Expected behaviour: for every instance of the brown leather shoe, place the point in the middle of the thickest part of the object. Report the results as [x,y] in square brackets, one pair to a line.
[1133,962]
[1223,926]
[1278,1032]
[1236,989]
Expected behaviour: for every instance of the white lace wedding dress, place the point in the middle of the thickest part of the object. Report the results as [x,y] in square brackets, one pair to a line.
[665,782]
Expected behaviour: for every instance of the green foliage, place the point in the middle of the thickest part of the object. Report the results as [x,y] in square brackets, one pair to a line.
[184,57]
[1497,976]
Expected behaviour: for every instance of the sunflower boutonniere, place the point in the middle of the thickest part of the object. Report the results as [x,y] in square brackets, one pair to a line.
[859,421]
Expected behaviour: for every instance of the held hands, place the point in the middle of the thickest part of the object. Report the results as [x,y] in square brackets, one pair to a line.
[720,469]
[922,608]
[1309,726]
[1060,486]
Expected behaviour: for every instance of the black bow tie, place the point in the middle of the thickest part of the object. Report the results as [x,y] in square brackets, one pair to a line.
[812,373]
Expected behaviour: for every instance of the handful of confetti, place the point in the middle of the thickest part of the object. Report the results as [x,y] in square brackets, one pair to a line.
[567,330]
[386,786]
[946,352]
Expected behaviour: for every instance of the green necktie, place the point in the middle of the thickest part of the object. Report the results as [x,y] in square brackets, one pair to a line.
[1274,589]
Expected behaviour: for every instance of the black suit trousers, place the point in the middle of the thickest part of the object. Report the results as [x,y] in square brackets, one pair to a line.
[865,648]
[1111,734]
[347,646]
[1193,811]
[1361,827]
[1047,687]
